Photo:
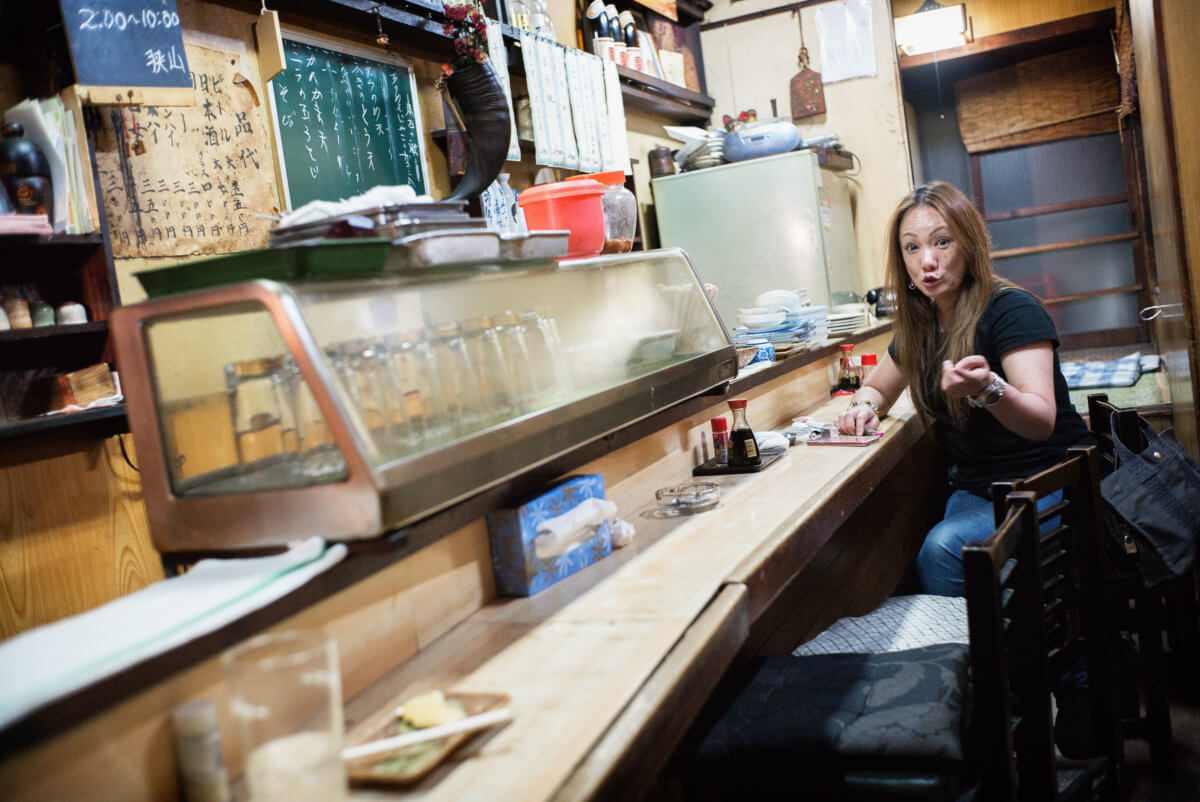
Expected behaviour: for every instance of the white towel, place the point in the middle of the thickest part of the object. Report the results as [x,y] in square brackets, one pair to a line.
[561,533]
[51,661]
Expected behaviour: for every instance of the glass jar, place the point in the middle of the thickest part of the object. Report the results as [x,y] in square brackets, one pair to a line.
[619,207]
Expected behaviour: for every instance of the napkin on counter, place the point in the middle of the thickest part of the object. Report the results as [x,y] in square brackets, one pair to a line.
[558,534]
[43,664]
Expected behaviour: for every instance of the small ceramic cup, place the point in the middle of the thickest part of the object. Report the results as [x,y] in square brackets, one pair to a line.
[41,313]
[70,313]
[17,310]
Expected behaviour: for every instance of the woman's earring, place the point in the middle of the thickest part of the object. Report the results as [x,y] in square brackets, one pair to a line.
[911,286]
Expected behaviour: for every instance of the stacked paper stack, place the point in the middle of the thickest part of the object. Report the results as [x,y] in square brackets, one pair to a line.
[55,125]
[25,224]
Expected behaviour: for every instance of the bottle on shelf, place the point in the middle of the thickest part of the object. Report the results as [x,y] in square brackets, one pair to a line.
[743,449]
[26,173]
[600,29]
[539,18]
[519,15]
[633,53]
[614,30]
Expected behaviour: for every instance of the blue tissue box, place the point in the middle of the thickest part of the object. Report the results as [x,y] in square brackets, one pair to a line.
[512,532]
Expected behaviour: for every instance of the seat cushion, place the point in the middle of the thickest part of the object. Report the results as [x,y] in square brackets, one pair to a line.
[907,704]
[901,622]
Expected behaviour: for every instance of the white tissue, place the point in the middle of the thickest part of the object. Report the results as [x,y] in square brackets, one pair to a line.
[768,441]
[622,532]
[564,532]
[382,195]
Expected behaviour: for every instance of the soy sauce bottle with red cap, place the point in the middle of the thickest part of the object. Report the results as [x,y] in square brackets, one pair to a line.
[743,450]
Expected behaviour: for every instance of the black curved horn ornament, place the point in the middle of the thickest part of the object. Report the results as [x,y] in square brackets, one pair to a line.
[476,91]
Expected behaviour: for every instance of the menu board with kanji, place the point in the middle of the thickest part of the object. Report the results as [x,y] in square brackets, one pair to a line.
[344,123]
[188,180]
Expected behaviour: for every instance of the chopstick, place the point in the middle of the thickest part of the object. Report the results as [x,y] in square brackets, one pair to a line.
[398,742]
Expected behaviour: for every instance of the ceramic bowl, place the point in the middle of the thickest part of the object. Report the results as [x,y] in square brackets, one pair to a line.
[762,317]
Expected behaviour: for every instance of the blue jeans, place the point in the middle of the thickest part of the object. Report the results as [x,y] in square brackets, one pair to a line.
[969,518]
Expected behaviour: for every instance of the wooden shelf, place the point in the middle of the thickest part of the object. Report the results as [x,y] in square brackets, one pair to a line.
[102,422]
[1002,49]
[656,96]
[40,333]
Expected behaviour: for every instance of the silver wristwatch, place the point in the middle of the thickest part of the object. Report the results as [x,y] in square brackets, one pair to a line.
[988,395]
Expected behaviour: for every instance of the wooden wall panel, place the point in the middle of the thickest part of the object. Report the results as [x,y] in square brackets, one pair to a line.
[73,530]
[1166,83]
[990,17]
[1181,31]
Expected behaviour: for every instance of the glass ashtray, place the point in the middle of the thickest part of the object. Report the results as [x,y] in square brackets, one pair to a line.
[688,498]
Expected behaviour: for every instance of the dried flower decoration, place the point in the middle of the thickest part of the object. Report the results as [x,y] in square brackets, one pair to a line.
[467,29]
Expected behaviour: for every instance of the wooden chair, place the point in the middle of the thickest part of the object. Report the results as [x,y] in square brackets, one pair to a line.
[1034,617]
[1169,609]
[811,722]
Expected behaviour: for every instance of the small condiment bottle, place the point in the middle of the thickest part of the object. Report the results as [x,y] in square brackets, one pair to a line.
[849,381]
[868,364]
[720,436]
[743,449]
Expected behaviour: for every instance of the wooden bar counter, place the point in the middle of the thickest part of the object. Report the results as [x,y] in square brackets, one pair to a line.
[607,668]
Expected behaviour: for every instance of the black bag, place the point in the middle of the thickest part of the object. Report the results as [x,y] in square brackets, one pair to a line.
[1153,497]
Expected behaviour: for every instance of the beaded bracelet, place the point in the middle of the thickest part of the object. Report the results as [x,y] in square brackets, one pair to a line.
[866,402]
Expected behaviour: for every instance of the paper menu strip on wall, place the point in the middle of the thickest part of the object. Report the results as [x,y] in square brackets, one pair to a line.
[555,97]
[594,74]
[537,104]
[616,120]
[558,58]
[499,58]
[585,112]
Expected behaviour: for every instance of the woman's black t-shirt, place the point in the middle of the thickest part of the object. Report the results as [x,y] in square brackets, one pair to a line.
[984,451]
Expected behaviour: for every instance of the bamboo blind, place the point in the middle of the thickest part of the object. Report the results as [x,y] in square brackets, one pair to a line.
[1073,93]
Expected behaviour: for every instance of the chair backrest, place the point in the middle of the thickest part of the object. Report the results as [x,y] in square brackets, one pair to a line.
[1127,429]
[1034,591]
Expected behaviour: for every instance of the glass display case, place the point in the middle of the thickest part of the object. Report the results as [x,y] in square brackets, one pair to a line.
[265,411]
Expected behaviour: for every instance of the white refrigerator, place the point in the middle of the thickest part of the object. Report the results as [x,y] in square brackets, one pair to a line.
[773,223]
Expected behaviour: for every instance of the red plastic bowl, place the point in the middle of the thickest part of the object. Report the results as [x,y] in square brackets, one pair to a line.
[571,205]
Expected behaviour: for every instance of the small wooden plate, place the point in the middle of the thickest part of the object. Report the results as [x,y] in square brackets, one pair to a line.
[413,763]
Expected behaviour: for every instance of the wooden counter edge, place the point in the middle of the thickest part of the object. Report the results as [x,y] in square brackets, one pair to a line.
[636,746]
[768,570]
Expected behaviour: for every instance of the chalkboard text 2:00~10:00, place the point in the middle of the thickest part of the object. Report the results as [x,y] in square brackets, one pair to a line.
[104,19]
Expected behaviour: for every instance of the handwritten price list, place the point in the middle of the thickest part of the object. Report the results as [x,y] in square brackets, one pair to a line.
[346,124]
[180,181]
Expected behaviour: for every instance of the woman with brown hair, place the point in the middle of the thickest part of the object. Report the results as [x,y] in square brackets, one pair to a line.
[979,356]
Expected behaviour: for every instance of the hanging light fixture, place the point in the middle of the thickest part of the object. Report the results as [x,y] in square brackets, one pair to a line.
[381,36]
[932,27]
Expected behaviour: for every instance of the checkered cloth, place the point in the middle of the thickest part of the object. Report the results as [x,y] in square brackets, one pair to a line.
[1123,372]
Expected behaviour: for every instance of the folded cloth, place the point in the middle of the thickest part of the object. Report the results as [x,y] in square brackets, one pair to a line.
[558,534]
[1123,372]
[43,664]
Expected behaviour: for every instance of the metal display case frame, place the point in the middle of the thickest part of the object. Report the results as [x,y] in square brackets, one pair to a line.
[376,496]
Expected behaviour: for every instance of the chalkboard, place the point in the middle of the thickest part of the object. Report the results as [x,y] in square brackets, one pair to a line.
[344,123]
[125,44]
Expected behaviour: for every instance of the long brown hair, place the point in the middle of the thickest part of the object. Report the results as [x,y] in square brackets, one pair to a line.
[918,350]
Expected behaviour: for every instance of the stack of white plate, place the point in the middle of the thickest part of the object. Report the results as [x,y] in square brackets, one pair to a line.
[709,154]
[846,322]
